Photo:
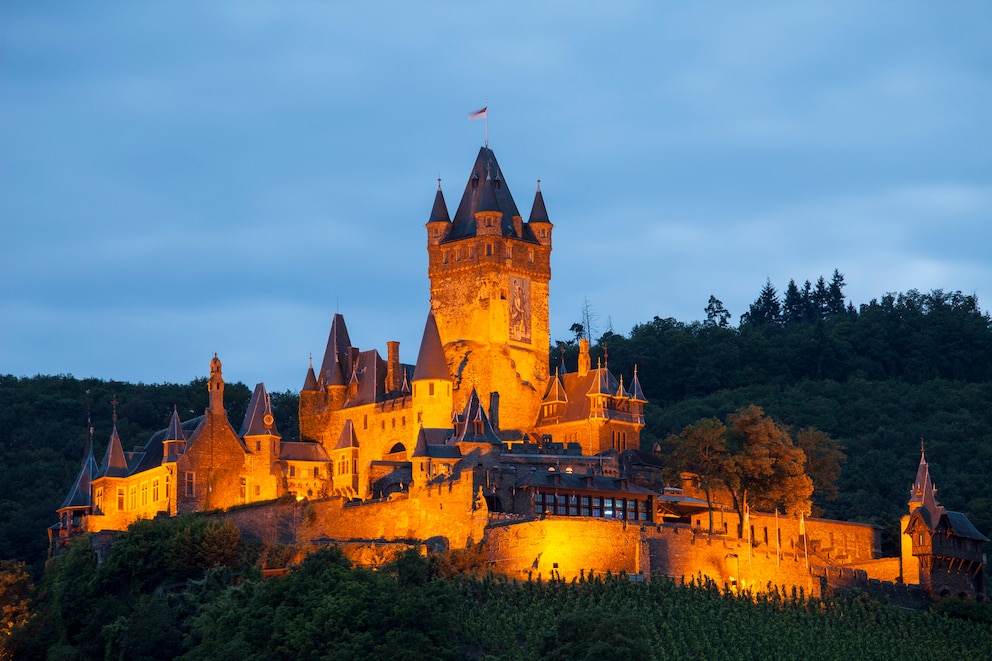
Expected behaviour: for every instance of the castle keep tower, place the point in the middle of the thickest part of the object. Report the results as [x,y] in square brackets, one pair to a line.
[489,274]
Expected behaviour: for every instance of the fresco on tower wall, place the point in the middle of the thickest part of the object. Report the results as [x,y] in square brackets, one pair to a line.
[520,310]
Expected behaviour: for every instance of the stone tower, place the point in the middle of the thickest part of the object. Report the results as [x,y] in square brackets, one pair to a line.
[489,273]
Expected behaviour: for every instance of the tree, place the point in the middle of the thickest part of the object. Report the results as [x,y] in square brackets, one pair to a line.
[824,456]
[16,586]
[764,468]
[835,294]
[766,309]
[716,314]
[793,307]
[701,448]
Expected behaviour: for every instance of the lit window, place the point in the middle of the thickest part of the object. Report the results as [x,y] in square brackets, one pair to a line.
[144,494]
[120,500]
[155,490]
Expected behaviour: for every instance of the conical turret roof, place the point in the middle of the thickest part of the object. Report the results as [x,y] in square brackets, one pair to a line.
[924,493]
[635,388]
[332,368]
[538,212]
[259,419]
[79,494]
[310,382]
[439,212]
[431,363]
[114,462]
[175,430]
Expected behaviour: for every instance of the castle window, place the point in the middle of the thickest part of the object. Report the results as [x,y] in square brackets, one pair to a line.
[258,490]
[354,465]
[394,423]
[489,249]
[99,499]
[144,494]
[244,488]
[471,252]
[190,484]
[446,256]
[544,233]
[155,490]
[435,232]
[120,500]
[508,253]
[458,255]
[383,425]
[430,389]
[403,421]
[530,256]
[316,471]
[365,421]
[489,221]
[420,417]
[132,498]
[258,445]
[292,470]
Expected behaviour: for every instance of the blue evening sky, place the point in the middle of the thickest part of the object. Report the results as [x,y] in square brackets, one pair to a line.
[180,178]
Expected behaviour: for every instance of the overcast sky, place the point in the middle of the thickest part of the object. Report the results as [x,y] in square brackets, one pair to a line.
[184,178]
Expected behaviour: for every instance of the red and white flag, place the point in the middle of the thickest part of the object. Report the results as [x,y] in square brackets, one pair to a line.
[480,114]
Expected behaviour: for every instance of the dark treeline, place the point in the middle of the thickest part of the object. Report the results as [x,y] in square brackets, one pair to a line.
[442,607]
[879,378]
[44,423]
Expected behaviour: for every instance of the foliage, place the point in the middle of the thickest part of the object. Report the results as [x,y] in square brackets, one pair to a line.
[16,586]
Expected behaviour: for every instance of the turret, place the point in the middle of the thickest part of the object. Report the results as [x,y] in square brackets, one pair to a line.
[539,222]
[216,387]
[432,392]
[174,443]
[439,221]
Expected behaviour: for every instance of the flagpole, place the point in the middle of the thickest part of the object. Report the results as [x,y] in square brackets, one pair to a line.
[487,123]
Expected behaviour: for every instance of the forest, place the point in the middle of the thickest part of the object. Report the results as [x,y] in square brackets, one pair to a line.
[878,378]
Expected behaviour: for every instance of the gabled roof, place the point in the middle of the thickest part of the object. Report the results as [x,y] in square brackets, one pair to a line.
[538,212]
[601,383]
[258,419]
[431,443]
[431,363]
[152,456]
[556,391]
[79,494]
[486,190]
[336,353]
[472,414]
[114,462]
[962,527]
[302,451]
[347,439]
[439,212]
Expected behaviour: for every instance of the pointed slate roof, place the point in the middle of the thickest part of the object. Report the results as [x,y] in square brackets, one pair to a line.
[347,439]
[79,494]
[538,212]
[431,363]
[475,411]
[303,451]
[336,354]
[439,212]
[432,443]
[310,382]
[635,389]
[556,391]
[175,430]
[259,419]
[486,190]
[601,384]
[924,493]
[114,462]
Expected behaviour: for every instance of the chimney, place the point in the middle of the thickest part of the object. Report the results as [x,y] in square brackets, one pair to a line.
[494,410]
[393,371]
[583,357]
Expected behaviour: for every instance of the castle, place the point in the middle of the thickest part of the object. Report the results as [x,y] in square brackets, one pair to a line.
[528,459]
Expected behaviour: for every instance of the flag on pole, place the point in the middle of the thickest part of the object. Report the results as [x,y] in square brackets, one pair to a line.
[482,113]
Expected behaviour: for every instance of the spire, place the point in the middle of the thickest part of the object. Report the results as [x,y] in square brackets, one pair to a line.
[486,190]
[420,449]
[621,392]
[79,494]
[538,212]
[439,212]
[310,383]
[175,431]
[475,427]
[635,389]
[600,383]
[114,462]
[336,353]
[259,419]
[924,493]
[431,363]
